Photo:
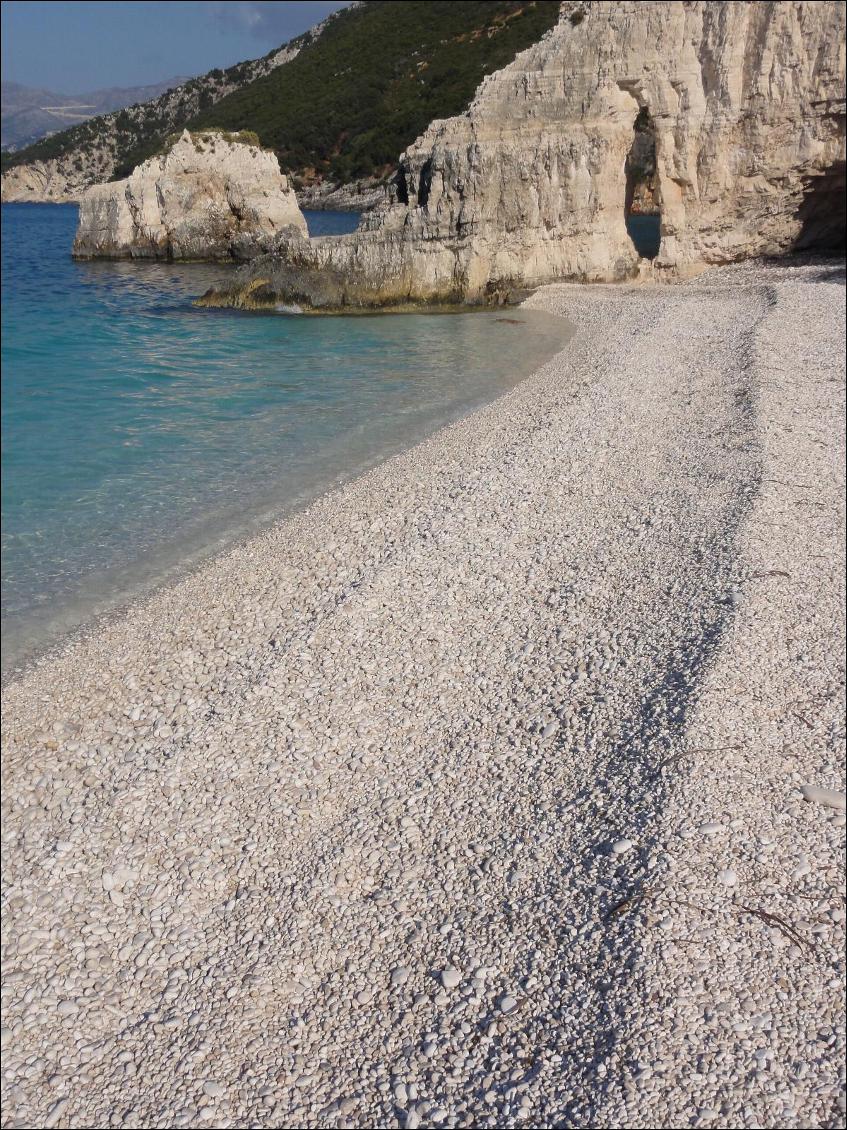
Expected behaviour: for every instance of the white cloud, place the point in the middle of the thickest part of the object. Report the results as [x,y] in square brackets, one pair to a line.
[269,20]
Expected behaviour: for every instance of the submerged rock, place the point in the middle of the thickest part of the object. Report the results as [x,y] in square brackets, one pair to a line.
[208,196]
[745,104]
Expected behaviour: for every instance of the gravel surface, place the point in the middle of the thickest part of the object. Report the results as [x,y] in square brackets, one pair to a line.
[472,795]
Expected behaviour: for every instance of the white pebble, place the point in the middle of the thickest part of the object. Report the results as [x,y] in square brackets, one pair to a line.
[828,797]
[450,977]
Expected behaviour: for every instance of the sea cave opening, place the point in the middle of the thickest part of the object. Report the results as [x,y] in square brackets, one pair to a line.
[823,211]
[641,208]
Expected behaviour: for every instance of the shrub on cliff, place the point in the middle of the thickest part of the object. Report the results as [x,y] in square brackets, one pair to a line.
[375,79]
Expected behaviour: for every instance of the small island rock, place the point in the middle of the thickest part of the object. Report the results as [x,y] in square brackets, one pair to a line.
[208,196]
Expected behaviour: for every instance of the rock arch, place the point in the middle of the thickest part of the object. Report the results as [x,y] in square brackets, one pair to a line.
[528,185]
[642,212]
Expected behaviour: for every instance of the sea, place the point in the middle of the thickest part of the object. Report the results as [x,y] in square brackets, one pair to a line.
[140,434]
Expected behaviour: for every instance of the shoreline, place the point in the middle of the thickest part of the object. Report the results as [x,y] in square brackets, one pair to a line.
[438,721]
[214,534]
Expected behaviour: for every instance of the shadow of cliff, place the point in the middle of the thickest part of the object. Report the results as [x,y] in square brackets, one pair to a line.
[823,212]
[639,764]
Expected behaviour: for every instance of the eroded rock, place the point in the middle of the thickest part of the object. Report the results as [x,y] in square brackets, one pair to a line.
[529,185]
[209,196]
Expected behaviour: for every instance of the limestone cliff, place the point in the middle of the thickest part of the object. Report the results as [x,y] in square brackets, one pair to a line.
[746,102]
[209,196]
[355,196]
[43,182]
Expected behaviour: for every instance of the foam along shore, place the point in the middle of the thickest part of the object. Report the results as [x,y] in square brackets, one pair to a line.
[472,795]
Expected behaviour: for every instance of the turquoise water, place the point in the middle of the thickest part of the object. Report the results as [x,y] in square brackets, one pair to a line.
[140,433]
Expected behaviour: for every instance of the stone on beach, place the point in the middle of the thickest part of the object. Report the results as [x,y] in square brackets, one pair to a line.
[450,977]
[830,798]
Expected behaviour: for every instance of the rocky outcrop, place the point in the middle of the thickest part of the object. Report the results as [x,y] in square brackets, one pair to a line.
[357,196]
[746,102]
[209,196]
[43,182]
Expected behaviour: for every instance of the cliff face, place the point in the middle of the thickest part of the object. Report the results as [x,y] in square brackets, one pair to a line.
[207,197]
[44,182]
[747,107]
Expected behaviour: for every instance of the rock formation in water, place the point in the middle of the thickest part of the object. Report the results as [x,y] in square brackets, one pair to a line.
[209,196]
[528,186]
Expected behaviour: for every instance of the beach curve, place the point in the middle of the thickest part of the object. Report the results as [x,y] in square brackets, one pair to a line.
[414,809]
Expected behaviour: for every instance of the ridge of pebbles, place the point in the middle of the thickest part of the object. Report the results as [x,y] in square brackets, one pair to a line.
[472,795]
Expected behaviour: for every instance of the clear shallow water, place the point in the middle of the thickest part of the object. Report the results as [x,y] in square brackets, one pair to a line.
[140,433]
[331,223]
[646,234]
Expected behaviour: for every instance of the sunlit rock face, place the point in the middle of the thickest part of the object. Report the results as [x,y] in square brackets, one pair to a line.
[42,182]
[208,196]
[746,102]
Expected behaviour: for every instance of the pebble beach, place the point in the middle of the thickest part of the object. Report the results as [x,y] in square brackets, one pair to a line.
[501,787]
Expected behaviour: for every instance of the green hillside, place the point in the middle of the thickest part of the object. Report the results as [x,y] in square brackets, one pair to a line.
[349,104]
[124,134]
[354,97]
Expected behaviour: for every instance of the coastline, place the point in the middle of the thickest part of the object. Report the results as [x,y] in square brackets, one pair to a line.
[439,719]
[437,395]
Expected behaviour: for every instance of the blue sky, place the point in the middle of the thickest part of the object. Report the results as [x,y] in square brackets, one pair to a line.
[75,47]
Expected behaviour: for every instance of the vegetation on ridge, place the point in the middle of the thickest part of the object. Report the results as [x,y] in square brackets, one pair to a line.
[111,145]
[345,107]
[201,137]
[379,74]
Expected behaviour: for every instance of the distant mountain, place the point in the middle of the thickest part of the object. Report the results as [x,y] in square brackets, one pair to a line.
[337,104]
[28,113]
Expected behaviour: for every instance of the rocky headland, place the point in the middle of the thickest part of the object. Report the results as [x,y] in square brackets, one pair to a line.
[337,103]
[208,196]
[44,182]
[746,107]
